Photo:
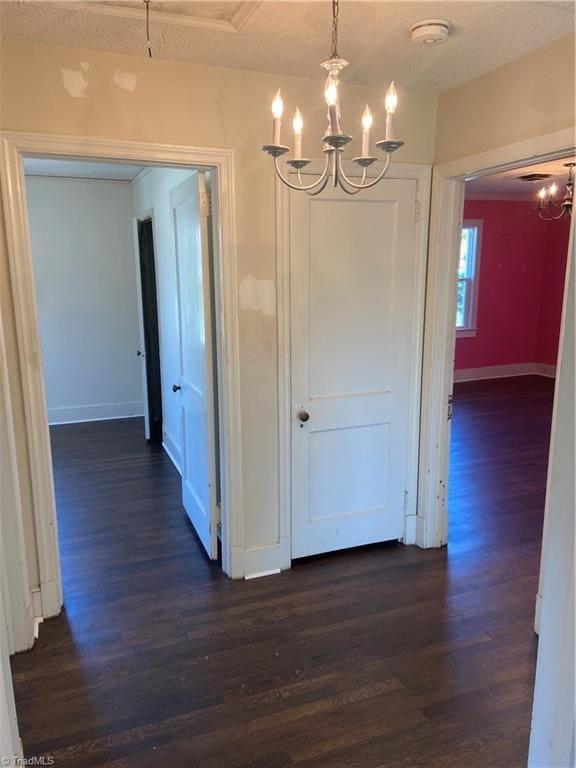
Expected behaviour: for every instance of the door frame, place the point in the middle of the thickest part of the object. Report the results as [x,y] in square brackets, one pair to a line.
[143,316]
[422,174]
[15,146]
[439,329]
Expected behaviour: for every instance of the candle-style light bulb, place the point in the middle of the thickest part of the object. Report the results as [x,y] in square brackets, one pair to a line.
[331,91]
[367,118]
[542,193]
[298,126]
[390,102]
[553,190]
[366,125]
[331,96]
[277,111]
[277,105]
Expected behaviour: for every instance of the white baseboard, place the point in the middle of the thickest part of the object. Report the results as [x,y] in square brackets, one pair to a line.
[262,561]
[101,412]
[409,529]
[504,371]
[273,572]
[169,445]
[544,369]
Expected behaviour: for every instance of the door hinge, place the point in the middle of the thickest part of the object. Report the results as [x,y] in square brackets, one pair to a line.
[405,501]
[449,407]
[416,210]
[205,204]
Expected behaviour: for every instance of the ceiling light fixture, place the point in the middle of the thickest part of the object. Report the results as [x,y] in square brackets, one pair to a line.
[334,140]
[548,207]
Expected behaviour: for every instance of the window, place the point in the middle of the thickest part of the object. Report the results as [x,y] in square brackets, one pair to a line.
[468,271]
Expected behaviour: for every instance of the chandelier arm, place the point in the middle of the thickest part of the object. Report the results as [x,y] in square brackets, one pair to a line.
[362,185]
[551,218]
[342,182]
[296,187]
[321,188]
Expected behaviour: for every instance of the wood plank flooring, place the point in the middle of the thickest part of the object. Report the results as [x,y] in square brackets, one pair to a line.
[383,657]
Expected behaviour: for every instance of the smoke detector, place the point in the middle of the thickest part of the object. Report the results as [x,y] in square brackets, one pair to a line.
[430,31]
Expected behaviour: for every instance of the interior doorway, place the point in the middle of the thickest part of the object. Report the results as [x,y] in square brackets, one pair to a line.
[149,353]
[510,290]
[88,311]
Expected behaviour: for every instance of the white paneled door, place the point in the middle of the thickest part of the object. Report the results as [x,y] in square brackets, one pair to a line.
[196,386]
[353,266]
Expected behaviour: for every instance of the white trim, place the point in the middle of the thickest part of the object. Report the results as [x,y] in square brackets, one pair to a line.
[438,374]
[503,197]
[273,572]
[169,445]
[10,743]
[540,149]
[221,161]
[16,592]
[102,412]
[260,561]
[504,371]
[553,710]
[236,23]
[466,333]
[422,175]
[26,317]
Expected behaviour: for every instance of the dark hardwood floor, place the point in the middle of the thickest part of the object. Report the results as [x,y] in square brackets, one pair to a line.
[385,657]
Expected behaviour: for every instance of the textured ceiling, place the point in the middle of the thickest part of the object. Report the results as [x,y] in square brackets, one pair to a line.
[204,10]
[507,184]
[80,169]
[294,37]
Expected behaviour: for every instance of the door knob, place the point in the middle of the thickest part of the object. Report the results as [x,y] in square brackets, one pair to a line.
[176,387]
[303,415]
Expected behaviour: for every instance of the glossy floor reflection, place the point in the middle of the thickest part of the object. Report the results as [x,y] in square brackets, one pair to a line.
[384,656]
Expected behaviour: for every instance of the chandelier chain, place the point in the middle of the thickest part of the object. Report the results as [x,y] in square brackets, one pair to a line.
[335,14]
[334,141]
[148,41]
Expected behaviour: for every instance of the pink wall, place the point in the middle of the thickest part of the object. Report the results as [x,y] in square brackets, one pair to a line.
[522,267]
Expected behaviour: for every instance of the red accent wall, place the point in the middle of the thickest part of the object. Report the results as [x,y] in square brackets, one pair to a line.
[522,266]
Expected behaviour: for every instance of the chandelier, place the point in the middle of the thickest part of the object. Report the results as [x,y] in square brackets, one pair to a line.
[334,140]
[549,208]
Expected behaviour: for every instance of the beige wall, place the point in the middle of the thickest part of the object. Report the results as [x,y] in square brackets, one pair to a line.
[88,93]
[531,96]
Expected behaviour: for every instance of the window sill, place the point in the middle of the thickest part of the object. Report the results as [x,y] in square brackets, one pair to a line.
[465,333]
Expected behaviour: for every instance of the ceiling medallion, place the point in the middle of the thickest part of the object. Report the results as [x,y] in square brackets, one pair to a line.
[334,141]
[549,208]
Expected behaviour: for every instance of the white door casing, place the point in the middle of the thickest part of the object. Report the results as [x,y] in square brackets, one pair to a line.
[354,269]
[196,383]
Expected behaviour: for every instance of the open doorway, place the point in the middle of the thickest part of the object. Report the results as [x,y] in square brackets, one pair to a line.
[150,336]
[124,279]
[511,276]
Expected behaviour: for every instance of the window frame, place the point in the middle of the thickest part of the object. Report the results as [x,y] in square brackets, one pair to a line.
[471,327]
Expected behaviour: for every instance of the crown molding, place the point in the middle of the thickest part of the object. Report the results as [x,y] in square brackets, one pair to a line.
[504,197]
[237,22]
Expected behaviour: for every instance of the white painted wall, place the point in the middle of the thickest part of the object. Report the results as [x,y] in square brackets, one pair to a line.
[152,198]
[82,245]
[553,714]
